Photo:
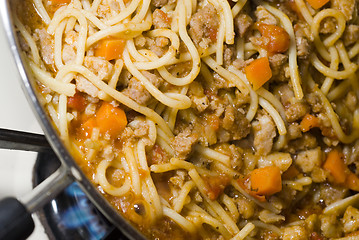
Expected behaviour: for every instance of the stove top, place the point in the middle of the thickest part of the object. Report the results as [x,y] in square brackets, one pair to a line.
[70,215]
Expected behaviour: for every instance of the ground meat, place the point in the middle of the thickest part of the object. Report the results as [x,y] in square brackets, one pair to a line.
[241,64]
[302,36]
[308,141]
[179,179]
[242,23]
[102,68]
[245,206]
[264,16]
[84,85]
[264,133]
[328,26]
[70,45]
[204,24]
[295,233]
[156,46]
[68,53]
[330,226]
[330,194]
[46,43]
[220,82]
[307,160]
[294,131]
[200,103]
[277,63]
[182,144]
[303,47]
[103,11]
[282,160]
[347,7]
[140,128]
[140,41]
[228,55]
[116,176]
[157,156]
[294,109]
[160,19]
[159,3]
[236,123]
[351,35]
[351,101]
[314,102]
[351,220]
[137,92]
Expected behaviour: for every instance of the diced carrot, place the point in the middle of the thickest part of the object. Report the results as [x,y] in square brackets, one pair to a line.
[110,119]
[308,122]
[60,1]
[110,48]
[334,164]
[254,194]
[88,126]
[278,38]
[316,4]
[266,181]
[77,102]
[291,172]
[352,182]
[258,72]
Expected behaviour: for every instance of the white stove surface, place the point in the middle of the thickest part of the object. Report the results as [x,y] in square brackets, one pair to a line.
[16,166]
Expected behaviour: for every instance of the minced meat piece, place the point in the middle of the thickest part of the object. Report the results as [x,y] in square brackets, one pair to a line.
[159,3]
[277,63]
[84,85]
[182,144]
[102,68]
[242,22]
[347,7]
[351,34]
[295,233]
[46,42]
[264,133]
[160,19]
[263,16]
[235,123]
[308,159]
[294,109]
[351,220]
[204,24]
[330,226]
[137,92]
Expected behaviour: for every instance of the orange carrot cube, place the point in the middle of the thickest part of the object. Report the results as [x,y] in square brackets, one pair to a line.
[266,181]
[258,72]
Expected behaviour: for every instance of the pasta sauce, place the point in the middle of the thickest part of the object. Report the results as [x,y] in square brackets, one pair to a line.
[207,119]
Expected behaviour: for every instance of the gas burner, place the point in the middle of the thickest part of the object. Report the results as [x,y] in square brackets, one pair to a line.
[71,215]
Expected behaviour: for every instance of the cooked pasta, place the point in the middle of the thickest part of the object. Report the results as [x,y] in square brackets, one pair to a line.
[207,119]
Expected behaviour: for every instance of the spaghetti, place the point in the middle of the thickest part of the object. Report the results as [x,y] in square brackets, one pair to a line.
[206,119]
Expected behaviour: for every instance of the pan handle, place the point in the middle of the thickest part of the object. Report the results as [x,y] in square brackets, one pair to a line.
[15,215]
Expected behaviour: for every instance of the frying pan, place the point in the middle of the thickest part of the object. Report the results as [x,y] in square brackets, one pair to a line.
[15,214]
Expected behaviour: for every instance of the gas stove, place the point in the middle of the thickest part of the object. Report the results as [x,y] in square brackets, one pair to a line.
[70,215]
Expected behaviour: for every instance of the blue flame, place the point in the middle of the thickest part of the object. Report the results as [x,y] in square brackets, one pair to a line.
[83,214]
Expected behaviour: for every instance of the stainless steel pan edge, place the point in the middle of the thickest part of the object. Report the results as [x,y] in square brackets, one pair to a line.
[69,167]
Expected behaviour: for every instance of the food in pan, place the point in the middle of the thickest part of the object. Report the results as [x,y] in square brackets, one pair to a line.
[207,119]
